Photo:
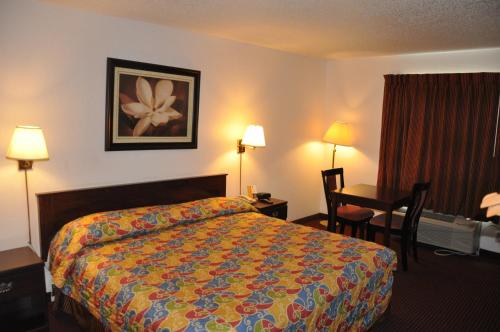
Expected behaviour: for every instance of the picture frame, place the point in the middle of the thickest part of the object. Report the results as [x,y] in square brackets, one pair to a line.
[150,106]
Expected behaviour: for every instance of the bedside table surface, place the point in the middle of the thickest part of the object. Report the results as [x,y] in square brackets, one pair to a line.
[18,258]
[275,201]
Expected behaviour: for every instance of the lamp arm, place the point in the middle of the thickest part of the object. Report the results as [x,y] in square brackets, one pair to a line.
[27,204]
[241,156]
[333,155]
[240,150]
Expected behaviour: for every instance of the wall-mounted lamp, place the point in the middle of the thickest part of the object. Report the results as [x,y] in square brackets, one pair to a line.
[339,133]
[27,145]
[254,138]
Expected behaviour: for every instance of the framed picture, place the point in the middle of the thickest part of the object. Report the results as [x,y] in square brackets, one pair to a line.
[151,106]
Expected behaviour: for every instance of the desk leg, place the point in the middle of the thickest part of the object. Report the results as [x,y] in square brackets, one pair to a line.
[332,220]
[387,231]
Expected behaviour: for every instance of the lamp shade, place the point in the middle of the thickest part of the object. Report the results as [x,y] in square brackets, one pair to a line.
[27,143]
[492,203]
[254,136]
[339,133]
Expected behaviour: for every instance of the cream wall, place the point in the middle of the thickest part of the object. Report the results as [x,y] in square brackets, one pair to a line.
[355,90]
[52,74]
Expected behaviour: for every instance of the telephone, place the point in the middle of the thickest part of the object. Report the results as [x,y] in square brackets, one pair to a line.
[264,197]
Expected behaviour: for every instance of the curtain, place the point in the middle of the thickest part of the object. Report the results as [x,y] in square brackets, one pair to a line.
[442,128]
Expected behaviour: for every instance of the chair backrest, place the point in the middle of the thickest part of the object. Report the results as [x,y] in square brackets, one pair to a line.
[418,197]
[329,177]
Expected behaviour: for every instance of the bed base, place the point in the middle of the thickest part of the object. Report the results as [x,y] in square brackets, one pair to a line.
[87,322]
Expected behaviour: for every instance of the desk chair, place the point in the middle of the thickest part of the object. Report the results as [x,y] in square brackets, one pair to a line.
[346,214]
[406,226]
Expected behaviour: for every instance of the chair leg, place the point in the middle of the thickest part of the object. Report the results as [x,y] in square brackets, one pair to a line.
[334,225]
[404,252]
[342,226]
[369,233]
[354,229]
[414,246]
[362,231]
[372,231]
[330,224]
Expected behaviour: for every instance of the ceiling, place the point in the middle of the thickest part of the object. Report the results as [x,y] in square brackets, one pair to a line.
[323,28]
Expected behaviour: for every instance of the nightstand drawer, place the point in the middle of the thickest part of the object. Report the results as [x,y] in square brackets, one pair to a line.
[279,212]
[18,284]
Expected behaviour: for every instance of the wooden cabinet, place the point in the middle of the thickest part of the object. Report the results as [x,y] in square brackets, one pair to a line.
[277,208]
[23,301]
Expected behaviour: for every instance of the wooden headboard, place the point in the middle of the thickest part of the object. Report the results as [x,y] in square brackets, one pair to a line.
[58,208]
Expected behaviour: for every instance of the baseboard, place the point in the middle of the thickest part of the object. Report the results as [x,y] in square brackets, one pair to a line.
[482,252]
[317,216]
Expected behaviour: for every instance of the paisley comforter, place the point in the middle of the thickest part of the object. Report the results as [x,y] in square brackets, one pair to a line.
[219,265]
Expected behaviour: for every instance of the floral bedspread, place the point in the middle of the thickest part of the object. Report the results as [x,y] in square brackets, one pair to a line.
[219,265]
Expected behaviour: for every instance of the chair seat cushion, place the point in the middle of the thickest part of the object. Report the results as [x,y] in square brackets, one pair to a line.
[379,220]
[354,213]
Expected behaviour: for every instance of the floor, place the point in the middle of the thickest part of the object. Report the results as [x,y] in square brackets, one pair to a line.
[442,293]
[452,293]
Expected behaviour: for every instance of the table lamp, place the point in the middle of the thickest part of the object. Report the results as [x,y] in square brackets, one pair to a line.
[339,133]
[27,145]
[254,138]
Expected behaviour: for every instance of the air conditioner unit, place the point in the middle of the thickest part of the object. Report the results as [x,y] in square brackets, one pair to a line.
[450,232]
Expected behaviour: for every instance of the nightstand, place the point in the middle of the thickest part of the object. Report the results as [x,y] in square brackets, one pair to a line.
[23,301]
[277,209]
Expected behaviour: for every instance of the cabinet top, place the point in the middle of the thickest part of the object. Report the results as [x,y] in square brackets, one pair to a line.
[275,202]
[18,258]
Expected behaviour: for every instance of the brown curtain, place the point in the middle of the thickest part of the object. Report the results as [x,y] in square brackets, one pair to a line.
[442,128]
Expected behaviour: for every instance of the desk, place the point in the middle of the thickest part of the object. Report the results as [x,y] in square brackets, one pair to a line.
[372,197]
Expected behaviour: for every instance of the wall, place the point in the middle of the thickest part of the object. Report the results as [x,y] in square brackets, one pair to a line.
[355,90]
[53,64]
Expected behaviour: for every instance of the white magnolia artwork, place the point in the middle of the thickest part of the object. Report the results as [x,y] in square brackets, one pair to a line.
[151,106]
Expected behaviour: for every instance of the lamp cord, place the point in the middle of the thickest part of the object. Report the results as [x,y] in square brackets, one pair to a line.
[27,205]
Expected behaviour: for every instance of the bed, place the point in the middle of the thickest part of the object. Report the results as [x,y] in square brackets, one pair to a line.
[191,259]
